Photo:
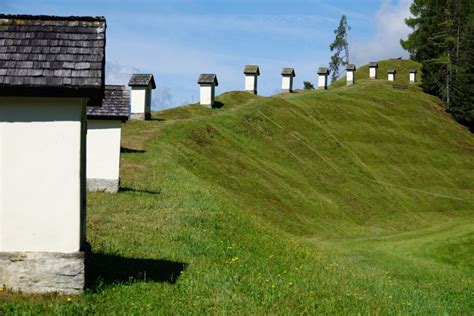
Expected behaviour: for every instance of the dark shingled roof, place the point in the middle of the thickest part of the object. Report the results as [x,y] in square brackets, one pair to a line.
[142,80]
[323,71]
[52,56]
[252,70]
[351,67]
[374,64]
[288,72]
[208,79]
[413,70]
[392,71]
[115,105]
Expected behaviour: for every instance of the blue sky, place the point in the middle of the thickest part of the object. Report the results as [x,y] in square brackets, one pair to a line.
[176,40]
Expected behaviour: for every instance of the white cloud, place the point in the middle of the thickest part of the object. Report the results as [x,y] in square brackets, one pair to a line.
[390,27]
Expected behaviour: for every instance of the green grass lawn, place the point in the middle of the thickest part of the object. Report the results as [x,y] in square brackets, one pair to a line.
[353,200]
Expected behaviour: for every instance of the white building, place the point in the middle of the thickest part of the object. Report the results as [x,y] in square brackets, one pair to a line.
[391,74]
[373,67]
[43,148]
[323,74]
[251,77]
[287,79]
[413,73]
[208,84]
[104,133]
[350,74]
[141,86]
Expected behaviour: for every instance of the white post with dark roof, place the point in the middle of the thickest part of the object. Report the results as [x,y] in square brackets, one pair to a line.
[208,84]
[373,67]
[323,74]
[50,68]
[251,72]
[391,74]
[141,85]
[350,74]
[287,79]
[413,73]
[104,133]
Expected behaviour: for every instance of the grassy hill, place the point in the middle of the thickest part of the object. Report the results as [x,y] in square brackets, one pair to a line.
[351,200]
[402,66]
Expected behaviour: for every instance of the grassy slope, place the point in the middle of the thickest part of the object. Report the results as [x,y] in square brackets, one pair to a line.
[355,199]
[402,76]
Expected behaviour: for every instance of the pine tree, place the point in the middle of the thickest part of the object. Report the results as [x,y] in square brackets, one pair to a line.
[339,45]
[442,40]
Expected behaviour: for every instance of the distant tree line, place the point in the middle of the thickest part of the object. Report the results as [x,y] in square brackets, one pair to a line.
[443,41]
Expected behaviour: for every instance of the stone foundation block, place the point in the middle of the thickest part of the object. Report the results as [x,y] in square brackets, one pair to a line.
[140,116]
[42,272]
[103,185]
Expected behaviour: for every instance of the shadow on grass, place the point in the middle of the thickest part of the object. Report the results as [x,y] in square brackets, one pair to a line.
[131,190]
[103,269]
[218,105]
[125,150]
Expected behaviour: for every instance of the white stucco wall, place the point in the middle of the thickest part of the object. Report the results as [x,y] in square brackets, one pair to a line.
[103,149]
[287,83]
[373,73]
[412,77]
[391,77]
[350,77]
[42,174]
[322,81]
[138,100]
[207,93]
[251,83]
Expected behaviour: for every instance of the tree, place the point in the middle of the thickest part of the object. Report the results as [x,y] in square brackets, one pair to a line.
[308,85]
[340,44]
[442,40]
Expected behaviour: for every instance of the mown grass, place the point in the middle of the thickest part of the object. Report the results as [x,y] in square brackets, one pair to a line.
[346,201]
[402,76]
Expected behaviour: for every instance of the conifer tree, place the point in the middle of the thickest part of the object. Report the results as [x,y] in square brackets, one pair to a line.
[340,44]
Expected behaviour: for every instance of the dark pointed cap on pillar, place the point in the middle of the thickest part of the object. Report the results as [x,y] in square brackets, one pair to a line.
[114,106]
[392,71]
[208,79]
[288,72]
[351,67]
[413,70]
[142,80]
[374,64]
[252,70]
[52,56]
[323,71]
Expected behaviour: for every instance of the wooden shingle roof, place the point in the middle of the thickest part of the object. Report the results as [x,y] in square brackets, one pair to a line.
[392,71]
[142,80]
[323,71]
[114,105]
[252,70]
[52,56]
[351,67]
[288,72]
[373,64]
[208,79]
[413,70]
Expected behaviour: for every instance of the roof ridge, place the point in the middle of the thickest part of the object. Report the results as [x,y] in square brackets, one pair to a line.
[53,17]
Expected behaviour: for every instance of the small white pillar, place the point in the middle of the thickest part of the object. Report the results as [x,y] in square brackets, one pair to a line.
[373,67]
[104,133]
[287,79]
[208,84]
[413,73]
[391,74]
[350,74]
[323,74]
[251,76]
[141,85]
